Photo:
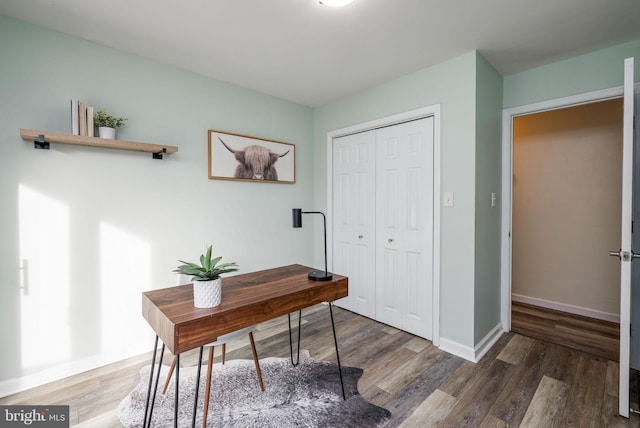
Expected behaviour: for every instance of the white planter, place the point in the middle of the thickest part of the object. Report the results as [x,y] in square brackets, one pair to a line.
[207,294]
[104,132]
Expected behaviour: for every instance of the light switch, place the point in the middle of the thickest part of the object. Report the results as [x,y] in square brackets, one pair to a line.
[493,199]
[448,199]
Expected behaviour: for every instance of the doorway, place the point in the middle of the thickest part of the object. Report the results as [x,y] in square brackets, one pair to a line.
[566,209]
[566,216]
[508,117]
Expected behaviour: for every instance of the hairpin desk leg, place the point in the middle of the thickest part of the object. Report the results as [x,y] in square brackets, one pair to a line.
[146,423]
[291,340]
[153,363]
[155,389]
[175,403]
[195,399]
[335,340]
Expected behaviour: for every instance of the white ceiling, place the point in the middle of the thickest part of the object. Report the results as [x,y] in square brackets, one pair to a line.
[311,54]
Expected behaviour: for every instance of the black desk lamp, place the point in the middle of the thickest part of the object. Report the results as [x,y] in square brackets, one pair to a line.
[297,222]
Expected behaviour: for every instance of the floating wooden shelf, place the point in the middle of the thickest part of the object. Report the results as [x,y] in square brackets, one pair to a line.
[40,137]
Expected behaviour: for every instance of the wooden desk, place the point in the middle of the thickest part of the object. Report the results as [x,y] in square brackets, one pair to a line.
[247,300]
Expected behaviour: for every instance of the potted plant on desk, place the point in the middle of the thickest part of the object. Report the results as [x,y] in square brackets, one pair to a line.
[107,124]
[207,284]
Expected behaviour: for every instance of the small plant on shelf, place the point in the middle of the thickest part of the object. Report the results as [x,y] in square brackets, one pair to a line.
[102,119]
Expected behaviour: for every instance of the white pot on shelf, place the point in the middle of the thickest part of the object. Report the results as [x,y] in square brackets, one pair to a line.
[207,294]
[106,132]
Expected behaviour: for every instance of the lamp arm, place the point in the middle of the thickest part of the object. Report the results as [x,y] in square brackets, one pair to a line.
[324,222]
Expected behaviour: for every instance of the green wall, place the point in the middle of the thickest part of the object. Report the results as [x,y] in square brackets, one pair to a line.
[601,69]
[116,222]
[488,180]
[451,84]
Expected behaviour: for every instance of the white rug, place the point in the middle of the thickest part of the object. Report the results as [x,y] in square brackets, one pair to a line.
[308,395]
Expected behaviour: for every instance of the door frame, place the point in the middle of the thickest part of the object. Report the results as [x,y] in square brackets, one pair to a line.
[508,116]
[430,111]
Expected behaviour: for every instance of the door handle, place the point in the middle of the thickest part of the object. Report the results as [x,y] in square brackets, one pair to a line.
[624,256]
[390,240]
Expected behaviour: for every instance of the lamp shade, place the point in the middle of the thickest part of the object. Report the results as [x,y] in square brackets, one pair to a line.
[297,217]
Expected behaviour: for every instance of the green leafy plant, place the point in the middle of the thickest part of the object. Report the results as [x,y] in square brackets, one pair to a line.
[208,269]
[101,118]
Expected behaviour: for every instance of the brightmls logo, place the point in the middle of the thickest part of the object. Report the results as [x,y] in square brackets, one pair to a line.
[34,416]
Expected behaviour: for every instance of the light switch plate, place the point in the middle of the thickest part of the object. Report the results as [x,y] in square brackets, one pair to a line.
[448,199]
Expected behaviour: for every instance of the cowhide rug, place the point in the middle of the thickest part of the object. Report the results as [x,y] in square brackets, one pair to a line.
[308,395]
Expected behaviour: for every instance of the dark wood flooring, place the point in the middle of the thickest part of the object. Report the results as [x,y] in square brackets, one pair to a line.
[522,381]
[590,335]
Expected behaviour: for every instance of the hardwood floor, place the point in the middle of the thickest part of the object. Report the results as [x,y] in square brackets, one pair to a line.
[586,334]
[522,381]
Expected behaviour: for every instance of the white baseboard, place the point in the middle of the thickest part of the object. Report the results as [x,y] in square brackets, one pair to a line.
[489,340]
[472,354]
[457,349]
[576,310]
[18,384]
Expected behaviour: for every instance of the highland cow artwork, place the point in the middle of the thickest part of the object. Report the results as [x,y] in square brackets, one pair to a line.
[240,157]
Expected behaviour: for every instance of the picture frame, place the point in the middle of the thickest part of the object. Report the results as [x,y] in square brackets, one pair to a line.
[245,158]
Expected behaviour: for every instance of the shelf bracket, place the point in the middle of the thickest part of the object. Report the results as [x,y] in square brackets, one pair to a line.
[40,143]
[159,154]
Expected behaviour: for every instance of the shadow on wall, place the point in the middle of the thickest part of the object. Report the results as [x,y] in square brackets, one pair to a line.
[64,316]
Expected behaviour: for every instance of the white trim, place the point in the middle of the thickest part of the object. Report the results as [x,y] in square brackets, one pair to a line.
[571,309]
[488,341]
[18,384]
[472,354]
[570,101]
[458,349]
[436,225]
[507,174]
[420,113]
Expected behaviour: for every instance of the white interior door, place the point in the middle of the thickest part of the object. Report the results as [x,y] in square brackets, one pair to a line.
[354,219]
[404,226]
[635,243]
[626,254]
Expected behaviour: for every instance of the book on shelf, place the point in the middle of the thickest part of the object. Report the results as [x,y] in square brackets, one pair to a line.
[90,127]
[75,118]
[83,119]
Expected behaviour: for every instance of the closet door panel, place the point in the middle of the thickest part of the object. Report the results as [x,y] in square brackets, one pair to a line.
[414,285]
[353,221]
[391,208]
[419,232]
[383,223]
[389,302]
[405,152]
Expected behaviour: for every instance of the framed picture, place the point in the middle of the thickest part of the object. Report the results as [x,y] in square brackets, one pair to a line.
[240,157]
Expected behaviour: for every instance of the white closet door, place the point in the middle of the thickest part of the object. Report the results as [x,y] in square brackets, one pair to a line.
[354,219]
[404,226]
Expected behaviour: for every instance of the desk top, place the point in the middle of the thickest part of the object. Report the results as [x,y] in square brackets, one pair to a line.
[247,299]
